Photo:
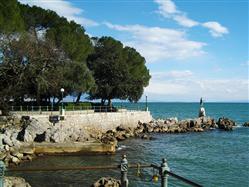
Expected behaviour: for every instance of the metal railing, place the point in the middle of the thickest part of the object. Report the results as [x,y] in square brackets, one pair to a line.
[163,169]
[72,108]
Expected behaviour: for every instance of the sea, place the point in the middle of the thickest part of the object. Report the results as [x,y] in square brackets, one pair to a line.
[214,158]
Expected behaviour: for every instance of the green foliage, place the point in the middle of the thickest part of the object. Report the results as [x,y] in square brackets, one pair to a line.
[10,17]
[42,52]
[78,106]
[68,36]
[31,69]
[119,72]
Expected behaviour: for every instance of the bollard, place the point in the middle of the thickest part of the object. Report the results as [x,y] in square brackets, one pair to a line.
[163,173]
[2,169]
[124,170]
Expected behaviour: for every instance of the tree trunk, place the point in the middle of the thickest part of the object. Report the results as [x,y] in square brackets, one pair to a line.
[102,102]
[109,102]
[78,98]
[38,99]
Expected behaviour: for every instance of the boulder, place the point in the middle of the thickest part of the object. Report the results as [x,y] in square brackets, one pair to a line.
[7,140]
[146,137]
[15,182]
[120,128]
[107,182]
[109,138]
[15,160]
[32,128]
[3,154]
[246,124]
[225,124]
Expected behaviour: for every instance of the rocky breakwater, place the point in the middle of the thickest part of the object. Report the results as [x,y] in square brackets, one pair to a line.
[246,124]
[171,125]
[24,139]
[226,124]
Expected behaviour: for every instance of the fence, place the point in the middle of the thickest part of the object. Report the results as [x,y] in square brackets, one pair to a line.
[72,108]
[163,169]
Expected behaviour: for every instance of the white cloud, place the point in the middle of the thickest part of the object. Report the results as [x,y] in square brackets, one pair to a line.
[168,9]
[185,21]
[156,43]
[216,29]
[175,74]
[62,8]
[191,89]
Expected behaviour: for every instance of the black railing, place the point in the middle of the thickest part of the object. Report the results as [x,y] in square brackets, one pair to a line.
[163,169]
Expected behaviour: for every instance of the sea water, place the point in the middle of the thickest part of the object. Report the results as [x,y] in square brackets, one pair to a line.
[214,158]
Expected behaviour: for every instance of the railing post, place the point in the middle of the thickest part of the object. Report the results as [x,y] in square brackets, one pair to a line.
[163,173]
[124,171]
[2,169]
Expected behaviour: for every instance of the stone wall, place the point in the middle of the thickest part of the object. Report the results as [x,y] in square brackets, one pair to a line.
[100,121]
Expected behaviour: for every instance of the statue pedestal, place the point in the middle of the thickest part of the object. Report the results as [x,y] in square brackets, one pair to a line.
[202,112]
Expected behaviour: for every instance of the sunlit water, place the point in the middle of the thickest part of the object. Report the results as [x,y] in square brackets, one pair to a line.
[214,158]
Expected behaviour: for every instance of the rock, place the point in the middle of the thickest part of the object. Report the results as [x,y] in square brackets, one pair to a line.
[31,128]
[109,140]
[15,160]
[7,147]
[107,182]
[120,135]
[27,149]
[15,152]
[7,140]
[146,137]
[206,123]
[139,129]
[246,124]
[198,130]
[15,182]
[225,124]
[58,137]
[27,157]
[120,128]
[3,154]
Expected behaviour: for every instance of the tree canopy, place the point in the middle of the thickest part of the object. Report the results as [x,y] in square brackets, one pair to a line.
[119,71]
[41,52]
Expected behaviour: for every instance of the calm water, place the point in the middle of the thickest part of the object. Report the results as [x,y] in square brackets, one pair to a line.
[214,158]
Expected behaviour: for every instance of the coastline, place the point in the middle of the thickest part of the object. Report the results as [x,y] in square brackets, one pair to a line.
[144,131]
[23,139]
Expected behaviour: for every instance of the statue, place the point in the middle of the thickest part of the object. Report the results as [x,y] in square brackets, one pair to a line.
[202,112]
[201,102]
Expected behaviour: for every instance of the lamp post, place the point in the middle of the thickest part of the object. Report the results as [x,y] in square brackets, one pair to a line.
[62,110]
[146,104]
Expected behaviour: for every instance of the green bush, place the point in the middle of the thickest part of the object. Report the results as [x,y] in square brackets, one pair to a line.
[78,106]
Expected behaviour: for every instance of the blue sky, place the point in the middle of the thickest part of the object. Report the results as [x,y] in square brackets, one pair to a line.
[193,48]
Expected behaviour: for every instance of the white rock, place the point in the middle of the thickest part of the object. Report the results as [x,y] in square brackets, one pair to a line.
[28,137]
[7,140]
[7,147]
[15,182]
[15,160]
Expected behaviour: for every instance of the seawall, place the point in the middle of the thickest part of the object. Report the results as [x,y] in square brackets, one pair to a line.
[100,121]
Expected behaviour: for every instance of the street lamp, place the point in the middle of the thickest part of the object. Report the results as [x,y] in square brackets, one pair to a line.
[62,91]
[146,104]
